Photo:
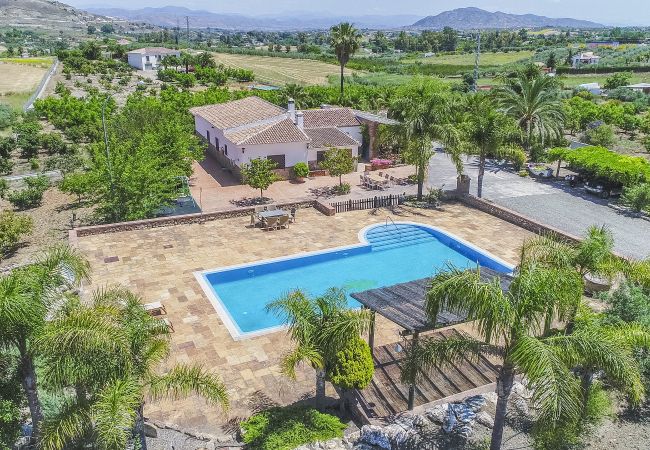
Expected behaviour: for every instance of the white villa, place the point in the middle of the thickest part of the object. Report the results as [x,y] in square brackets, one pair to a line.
[250,128]
[585,58]
[149,58]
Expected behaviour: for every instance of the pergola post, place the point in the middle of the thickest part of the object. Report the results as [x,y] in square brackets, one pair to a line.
[371,332]
[411,403]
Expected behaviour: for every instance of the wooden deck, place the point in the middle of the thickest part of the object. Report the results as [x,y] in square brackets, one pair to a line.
[386,396]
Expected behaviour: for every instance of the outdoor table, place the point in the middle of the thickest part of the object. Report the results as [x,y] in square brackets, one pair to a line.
[272,213]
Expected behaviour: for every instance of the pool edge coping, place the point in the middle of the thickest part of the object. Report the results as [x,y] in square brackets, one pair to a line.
[231,325]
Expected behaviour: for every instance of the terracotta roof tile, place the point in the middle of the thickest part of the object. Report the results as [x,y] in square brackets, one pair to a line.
[281,131]
[329,137]
[238,112]
[154,51]
[329,117]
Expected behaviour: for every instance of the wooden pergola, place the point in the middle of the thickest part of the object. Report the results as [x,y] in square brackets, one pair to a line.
[404,305]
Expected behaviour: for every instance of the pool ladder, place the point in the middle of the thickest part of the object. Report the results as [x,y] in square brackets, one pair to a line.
[396,227]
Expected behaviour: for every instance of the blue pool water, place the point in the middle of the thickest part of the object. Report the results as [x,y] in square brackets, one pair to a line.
[394,254]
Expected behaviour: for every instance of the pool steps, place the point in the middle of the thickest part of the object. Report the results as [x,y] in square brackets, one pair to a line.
[392,236]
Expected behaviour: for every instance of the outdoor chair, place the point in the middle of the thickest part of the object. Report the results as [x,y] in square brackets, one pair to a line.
[155,308]
[270,223]
[253,219]
[283,222]
[293,215]
[387,177]
[380,173]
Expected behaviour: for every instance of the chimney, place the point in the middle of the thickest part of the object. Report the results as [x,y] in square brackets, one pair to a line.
[291,107]
[300,119]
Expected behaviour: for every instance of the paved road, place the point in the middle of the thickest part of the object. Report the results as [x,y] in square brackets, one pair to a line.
[553,203]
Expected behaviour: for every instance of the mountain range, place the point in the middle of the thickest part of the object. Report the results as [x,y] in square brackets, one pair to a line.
[169,16]
[461,18]
[53,16]
[476,18]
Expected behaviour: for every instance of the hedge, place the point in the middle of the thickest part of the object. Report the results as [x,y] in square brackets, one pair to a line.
[603,163]
[289,427]
[600,69]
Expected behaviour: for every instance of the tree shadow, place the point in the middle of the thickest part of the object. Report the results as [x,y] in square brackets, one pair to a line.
[251,201]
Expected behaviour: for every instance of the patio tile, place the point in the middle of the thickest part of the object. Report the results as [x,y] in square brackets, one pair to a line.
[248,366]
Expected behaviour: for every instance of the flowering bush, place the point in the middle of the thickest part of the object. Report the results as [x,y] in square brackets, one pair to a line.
[381,162]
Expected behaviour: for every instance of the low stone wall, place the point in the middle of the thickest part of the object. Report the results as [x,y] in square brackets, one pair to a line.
[177,220]
[514,218]
[324,208]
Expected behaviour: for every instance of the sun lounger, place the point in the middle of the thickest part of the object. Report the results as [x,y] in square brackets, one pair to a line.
[293,215]
[155,308]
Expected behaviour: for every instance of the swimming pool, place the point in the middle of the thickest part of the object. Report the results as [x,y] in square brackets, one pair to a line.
[387,255]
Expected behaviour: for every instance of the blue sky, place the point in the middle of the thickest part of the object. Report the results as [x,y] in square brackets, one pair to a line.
[635,12]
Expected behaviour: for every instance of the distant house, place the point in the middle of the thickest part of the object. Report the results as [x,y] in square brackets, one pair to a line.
[122,42]
[242,130]
[149,58]
[585,59]
[593,88]
[429,54]
[640,87]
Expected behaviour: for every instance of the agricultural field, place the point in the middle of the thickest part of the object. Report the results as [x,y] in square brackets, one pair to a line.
[467,59]
[19,78]
[281,71]
[575,80]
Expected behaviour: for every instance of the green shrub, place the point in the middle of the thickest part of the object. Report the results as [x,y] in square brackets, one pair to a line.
[289,427]
[7,116]
[12,227]
[353,368]
[53,143]
[601,162]
[523,173]
[301,170]
[637,196]
[4,187]
[28,137]
[342,189]
[563,436]
[599,404]
[32,196]
[33,163]
[602,136]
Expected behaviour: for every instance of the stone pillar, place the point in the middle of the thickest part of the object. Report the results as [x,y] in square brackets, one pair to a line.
[462,184]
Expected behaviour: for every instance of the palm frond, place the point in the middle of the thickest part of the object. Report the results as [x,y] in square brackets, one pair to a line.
[428,353]
[597,349]
[463,290]
[556,392]
[183,381]
[71,423]
[302,353]
[114,413]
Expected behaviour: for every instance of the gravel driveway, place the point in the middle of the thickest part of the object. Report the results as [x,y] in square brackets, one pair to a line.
[551,202]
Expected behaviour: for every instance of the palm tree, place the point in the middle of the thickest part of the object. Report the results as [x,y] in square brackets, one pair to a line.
[296,92]
[187,60]
[423,118]
[593,255]
[487,133]
[107,352]
[614,355]
[28,295]
[319,327]
[345,41]
[507,323]
[534,103]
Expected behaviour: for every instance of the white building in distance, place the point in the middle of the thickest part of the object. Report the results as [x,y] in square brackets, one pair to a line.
[149,58]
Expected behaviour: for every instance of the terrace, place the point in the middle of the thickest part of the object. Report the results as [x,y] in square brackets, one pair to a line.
[159,264]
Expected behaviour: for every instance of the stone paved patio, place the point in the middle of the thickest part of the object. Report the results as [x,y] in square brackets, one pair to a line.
[214,188]
[158,264]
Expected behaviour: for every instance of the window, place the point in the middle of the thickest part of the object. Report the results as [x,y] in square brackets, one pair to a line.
[207,135]
[216,142]
[146,58]
[225,148]
[320,156]
[279,160]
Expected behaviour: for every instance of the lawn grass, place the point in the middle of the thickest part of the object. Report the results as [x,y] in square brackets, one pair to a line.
[467,59]
[15,100]
[281,71]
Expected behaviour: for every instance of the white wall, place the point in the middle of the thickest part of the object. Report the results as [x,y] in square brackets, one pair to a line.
[353,132]
[294,152]
[135,60]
